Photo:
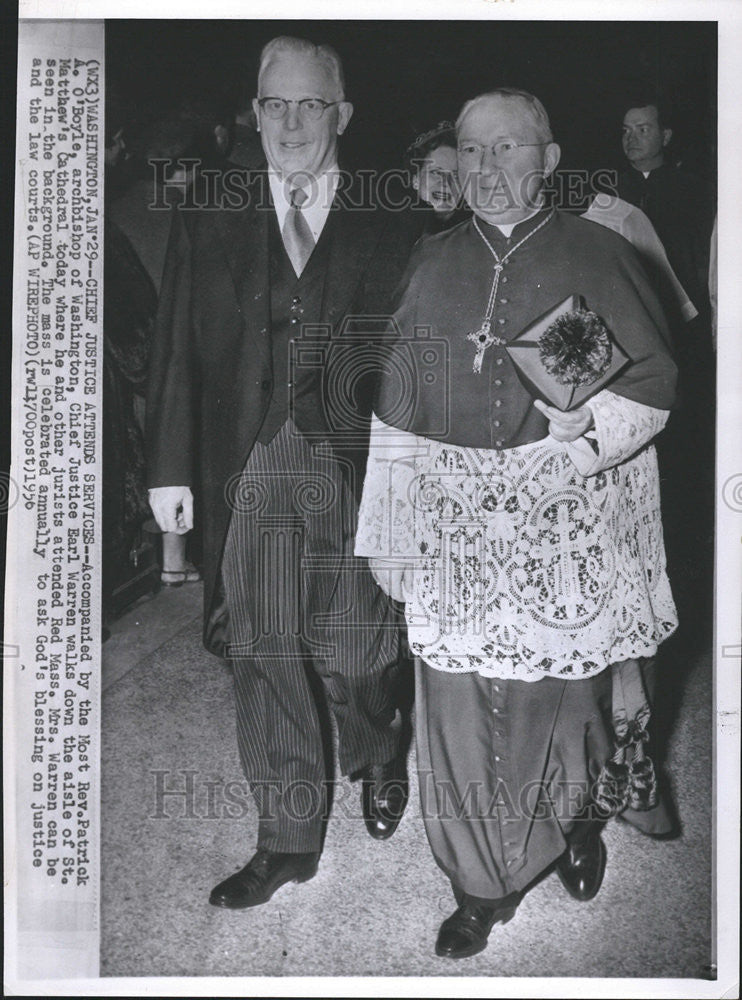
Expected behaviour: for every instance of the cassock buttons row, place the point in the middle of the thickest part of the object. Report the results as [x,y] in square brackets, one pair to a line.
[499,442]
[498,402]
[498,699]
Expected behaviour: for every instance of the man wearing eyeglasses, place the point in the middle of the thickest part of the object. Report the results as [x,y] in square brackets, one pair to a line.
[526,542]
[252,336]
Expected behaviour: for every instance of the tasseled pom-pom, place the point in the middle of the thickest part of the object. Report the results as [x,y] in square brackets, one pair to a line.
[643,785]
[576,348]
[637,733]
[611,791]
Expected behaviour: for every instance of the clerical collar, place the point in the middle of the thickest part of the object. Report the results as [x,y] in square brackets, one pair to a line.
[514,231]
[645,173]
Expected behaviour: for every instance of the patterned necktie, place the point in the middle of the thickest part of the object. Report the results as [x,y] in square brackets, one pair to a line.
[297,236]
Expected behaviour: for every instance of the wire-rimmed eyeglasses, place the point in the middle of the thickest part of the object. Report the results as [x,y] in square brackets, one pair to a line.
[309,107]
[501,148]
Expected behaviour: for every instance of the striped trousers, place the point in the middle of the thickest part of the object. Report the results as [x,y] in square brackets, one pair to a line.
[300,601]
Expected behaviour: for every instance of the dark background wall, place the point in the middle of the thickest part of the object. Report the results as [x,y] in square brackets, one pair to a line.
[404,76]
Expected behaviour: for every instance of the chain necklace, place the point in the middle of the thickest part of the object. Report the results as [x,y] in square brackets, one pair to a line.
[484,337]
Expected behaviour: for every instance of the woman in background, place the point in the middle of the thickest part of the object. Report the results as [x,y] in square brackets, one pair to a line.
[431,164]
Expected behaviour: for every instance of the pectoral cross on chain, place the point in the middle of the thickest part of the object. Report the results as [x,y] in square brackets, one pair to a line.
[484,337]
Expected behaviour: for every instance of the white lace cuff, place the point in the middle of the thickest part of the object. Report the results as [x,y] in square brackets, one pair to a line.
[385,517]
[622,428]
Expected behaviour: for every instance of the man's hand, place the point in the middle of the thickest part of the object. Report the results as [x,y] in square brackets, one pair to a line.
[389,575]
[566,426]
[173,508]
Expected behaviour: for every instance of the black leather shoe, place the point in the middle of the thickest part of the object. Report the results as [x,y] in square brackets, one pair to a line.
[262,875]
[465,932]
[385,789]
[582,866]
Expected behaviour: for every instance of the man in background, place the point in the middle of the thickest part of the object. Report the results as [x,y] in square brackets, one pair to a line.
[678,205]
[668,194]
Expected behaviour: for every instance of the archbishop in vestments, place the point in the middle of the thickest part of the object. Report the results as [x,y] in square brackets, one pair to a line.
[526,542]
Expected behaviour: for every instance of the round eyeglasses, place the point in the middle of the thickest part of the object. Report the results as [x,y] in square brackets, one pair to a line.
[311,108]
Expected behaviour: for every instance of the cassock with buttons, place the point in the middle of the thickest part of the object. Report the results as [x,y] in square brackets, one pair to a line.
[533,565]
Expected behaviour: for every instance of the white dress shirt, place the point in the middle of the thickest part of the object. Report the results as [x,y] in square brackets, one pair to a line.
[316,208]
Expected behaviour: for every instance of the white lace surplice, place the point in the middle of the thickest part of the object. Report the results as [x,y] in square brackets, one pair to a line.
[542,559]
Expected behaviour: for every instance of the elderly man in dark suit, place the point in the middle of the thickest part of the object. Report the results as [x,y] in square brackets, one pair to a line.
[259,379]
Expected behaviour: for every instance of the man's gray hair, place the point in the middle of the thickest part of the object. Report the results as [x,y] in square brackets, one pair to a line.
[535,108]
[301,46]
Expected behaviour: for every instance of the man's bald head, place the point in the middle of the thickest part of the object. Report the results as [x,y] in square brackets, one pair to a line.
[520,102]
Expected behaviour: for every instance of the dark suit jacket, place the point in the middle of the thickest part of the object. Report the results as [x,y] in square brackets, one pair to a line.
[211,367]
